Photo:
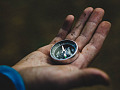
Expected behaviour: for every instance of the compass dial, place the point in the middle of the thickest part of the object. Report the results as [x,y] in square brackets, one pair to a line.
[64,50]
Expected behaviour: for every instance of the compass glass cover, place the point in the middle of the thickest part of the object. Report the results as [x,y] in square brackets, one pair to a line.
[63,50]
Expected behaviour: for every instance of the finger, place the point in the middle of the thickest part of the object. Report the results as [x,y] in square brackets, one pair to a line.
[100,34]
[92,76]
[85,77]
[80,24]
[91,50]
[90,27]
[64,30]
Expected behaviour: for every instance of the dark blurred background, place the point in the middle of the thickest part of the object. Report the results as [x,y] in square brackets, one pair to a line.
[26,25]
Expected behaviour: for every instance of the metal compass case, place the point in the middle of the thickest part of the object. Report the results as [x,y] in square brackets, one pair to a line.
[64,52]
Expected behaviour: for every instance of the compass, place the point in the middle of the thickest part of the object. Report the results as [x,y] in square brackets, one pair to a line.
[64,52]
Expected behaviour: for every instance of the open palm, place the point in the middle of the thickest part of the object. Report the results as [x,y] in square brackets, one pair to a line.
[38,70]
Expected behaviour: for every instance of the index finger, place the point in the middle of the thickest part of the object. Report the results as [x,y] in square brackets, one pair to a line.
[64,30]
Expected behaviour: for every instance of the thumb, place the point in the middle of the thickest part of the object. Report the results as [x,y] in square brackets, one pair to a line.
[93,76]
[88,77]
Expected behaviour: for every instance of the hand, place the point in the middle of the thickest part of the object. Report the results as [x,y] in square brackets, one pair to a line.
[89,33]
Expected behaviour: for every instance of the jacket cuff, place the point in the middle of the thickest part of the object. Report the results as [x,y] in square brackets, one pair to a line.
[14,76]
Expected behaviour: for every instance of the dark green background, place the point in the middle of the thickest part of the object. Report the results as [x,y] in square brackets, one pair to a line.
[26,25]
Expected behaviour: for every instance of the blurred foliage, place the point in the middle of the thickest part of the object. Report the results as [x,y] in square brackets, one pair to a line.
[26,25]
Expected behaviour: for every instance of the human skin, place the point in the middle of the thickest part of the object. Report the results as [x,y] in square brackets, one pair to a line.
[39,72]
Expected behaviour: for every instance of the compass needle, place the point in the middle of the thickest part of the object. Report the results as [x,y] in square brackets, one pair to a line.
[63,48]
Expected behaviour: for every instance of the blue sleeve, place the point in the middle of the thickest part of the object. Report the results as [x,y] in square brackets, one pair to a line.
[6,83]
[10,79]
